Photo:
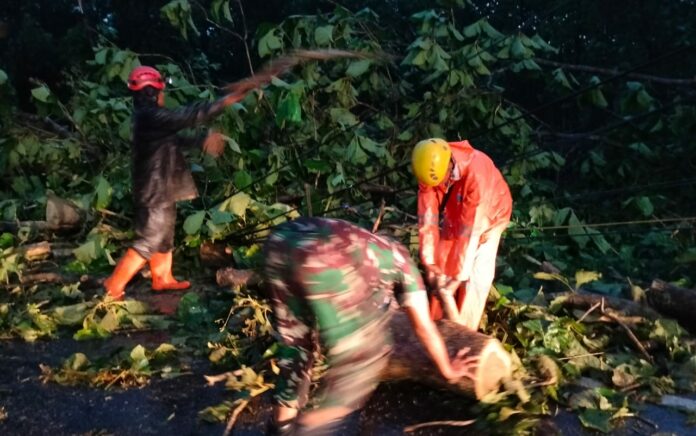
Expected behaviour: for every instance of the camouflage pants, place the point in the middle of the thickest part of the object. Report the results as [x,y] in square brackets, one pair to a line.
[358,343]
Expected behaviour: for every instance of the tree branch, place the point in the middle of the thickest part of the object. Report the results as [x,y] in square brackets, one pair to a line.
[612,72]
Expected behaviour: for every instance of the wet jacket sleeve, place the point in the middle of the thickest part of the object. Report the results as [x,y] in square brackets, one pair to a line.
[429,199]
[461,258]
[169,121]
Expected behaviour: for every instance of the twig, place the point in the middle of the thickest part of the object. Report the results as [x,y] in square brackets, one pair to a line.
[632,336]
[378,221]
[606,71]
[578,356]
[590,310]
[233,418]
[246,36]
[412,428]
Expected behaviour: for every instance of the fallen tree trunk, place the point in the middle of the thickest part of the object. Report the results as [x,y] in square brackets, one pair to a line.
[410,361]
[61,214]
[86,282]
[675,302]
[44,250]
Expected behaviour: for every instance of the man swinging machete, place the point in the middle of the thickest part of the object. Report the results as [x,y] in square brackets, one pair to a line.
[161,176]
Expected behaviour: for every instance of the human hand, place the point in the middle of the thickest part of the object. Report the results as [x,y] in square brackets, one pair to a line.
[462,366]
[214,144]
[450,287]
[434,277]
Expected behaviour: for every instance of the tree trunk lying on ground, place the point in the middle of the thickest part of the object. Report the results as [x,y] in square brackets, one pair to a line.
[675,302]
[60,215]
[44,250]
[48,277]
[410,361]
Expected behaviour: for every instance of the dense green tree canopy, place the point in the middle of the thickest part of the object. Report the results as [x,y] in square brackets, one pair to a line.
[588,108]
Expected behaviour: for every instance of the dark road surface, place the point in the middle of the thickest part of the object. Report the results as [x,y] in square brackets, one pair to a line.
[170,407]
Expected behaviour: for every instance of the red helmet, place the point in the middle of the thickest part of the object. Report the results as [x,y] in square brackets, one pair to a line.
[144,76]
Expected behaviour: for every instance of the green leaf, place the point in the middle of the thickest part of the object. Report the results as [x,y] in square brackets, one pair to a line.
[269,43]
[89,251]
[289,109]
[193,223]
[645,205]
[343,116]
[472,30]
[221,217]
[323,35]
[357,68]
[42,93]
[317,166]
[103,191]
[242,179]
[3,77]
[596,419]
[517,49]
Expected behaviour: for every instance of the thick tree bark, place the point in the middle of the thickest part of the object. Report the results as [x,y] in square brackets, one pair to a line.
[675,302]
[410,361]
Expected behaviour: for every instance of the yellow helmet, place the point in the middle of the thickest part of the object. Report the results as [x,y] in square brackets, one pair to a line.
[430,160]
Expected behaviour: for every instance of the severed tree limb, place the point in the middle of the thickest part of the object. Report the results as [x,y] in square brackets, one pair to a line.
[673,301]
[412,428]
[611,72]
[378,221]
[633,338]
[235,414]
[87,282]
[622,305]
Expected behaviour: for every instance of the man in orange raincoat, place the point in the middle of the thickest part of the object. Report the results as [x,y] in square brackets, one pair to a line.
[464,186]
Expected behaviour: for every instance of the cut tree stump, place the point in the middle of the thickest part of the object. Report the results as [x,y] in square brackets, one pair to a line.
[674,302]
[409,360]
[62,214]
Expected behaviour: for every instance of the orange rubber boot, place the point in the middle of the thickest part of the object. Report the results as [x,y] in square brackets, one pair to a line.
[127,267]
[162,278]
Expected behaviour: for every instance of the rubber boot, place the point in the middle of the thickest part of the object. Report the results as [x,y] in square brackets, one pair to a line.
[126,268]
[162,278]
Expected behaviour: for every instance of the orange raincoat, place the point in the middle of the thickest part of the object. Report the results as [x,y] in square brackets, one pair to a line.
[476,213]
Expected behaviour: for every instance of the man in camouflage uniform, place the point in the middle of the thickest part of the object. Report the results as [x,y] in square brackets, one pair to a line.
[337,279]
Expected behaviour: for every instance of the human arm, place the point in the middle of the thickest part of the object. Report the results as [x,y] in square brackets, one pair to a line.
[414,299]
[429,199]
[428,335]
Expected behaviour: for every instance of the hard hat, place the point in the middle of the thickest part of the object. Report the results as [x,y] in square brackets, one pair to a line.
[430,161]
[144,76]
